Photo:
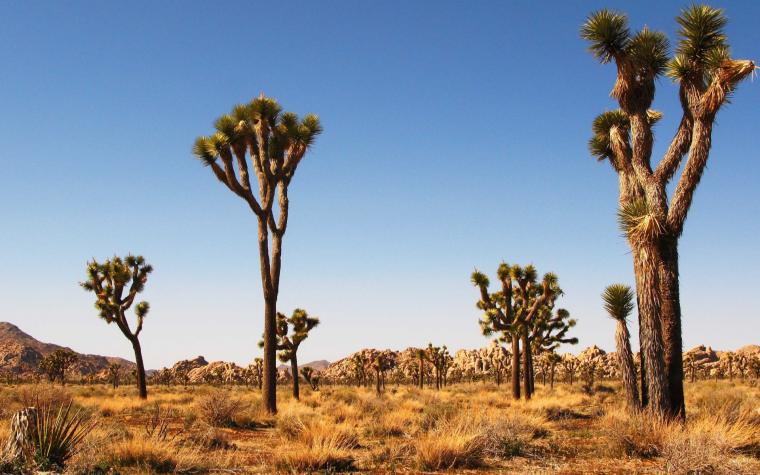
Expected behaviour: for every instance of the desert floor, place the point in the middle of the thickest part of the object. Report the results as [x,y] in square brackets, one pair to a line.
[465,428]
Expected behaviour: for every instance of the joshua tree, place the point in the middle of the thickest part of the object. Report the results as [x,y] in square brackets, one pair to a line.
[754,366]
[55,365]
[275,143]
[618,301]
[299,324]
[570,364]
[706,75]
[553,359]
[439,357]
[742,364]
[114,372]
[511,312]
[380,362]
[422,357]
[257,370]
[729,357]
[692,366]
[109,281]
[310,377]
[549,331]
[360,364]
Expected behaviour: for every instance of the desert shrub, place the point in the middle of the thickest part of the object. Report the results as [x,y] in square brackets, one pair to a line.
[142,454]
[436,413]
[392,424]
[634,435]
[467,439]
[556,413]
[40,395]
[451,445]
[290,425]
[210,438]
[318,447]
[220,409]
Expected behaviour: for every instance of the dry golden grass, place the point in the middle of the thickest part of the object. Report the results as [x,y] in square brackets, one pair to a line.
[466,427]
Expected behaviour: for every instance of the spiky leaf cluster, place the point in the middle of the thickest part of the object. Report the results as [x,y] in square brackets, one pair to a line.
[275,142]
[116,283]
[618,301]
[291,332]
[520,298]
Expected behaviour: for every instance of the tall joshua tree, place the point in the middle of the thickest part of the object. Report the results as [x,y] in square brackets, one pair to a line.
[274,143]
[706,75]
[618,301]
[511,311]
[116,283]
[291,332]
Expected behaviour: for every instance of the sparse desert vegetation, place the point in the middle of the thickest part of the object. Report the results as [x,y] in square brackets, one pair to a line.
[517,405]
[467,426]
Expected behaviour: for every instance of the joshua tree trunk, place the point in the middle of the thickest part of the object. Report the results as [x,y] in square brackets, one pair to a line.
[551,380]
[294,369]
[515,367]
[651,330]
[377,382]
[671,325]
[526,363]
[140,368]
[270,356]
[422,372]
[625,356]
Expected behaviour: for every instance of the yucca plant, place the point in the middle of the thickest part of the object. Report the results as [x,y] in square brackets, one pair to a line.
[618,302]
[59,434]
[706,75]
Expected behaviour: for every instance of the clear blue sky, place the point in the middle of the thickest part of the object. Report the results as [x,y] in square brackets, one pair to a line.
[455,137]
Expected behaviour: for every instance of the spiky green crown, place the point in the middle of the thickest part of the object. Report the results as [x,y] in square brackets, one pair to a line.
[111,279]
[702,43]
[281,132]
[618,301]
[608,34]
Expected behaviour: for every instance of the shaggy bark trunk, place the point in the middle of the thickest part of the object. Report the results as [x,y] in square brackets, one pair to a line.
[141,387]
[526,363]
[422,373]
[671,325]
[515,366]
[625,355]
[294,369]
[651,330]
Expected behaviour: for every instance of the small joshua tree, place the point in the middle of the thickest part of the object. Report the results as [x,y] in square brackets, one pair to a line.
[618,301]
[380,363]
[310,377]
[359,365]
[512,311]
[421,357]
[299,324]
[114,372]
[257,371]
[55,365]
[570,365]
[116,283]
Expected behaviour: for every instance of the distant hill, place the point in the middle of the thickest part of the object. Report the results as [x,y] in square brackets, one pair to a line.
[20,354]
